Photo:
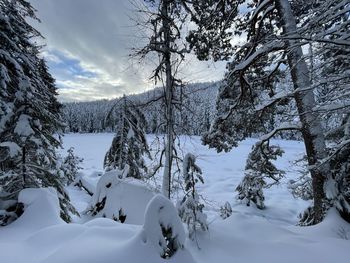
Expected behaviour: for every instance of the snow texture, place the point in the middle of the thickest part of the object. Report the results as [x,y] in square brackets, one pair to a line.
[113,196]
[248,235]
[161,215]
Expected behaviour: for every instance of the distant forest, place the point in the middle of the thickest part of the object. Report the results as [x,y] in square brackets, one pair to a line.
[195,103]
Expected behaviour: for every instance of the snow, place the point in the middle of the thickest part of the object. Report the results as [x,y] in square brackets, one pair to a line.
[23,127]
[161,213]
[13,147]
[127,195]
[248,235]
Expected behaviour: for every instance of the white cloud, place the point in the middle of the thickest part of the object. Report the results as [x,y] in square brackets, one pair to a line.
[99,35]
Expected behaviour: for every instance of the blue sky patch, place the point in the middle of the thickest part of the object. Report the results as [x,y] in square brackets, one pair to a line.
[63,67]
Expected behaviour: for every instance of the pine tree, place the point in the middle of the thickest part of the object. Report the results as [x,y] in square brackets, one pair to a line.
[190,208]
[30,125]
[129,146]
[275,31]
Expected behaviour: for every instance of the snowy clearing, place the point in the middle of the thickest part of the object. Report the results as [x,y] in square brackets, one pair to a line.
[249,235]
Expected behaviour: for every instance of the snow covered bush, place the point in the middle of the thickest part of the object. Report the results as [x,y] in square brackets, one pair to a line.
[251,189]
[163,228]
[190,208]
[129,145]
[225,210]
[258,170]
[122,200]
[71,166]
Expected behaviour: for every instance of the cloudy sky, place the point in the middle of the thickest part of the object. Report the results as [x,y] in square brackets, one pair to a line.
[88,43]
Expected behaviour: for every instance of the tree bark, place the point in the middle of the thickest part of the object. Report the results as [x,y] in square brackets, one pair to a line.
[312,130]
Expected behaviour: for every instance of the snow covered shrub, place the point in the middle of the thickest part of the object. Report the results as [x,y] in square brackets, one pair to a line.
[71,166]
[258,170]
[123,200]
[163,228]
[251,189]
[190,208]
[129,145]
[225,210]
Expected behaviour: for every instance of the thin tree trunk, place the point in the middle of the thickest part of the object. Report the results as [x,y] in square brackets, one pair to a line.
[169,144]
[24,169]
[312,131]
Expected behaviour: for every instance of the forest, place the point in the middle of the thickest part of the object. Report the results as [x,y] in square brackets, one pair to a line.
[254,167]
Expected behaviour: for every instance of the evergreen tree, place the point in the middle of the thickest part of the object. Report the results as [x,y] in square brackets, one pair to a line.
[70,166]
[226,210]
[258,170]
[190,208]
[30,122]
[275,31]
[129,146]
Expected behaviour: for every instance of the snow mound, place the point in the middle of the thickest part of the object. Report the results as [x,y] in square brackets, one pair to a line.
[123,200]
[163,228]
[41,208]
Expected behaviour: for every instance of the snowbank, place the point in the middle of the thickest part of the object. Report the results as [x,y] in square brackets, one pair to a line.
[115,197]
[41,208]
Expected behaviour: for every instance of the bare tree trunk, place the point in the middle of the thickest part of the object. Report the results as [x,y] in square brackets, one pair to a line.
[169,111]
[24,169]
[312,130]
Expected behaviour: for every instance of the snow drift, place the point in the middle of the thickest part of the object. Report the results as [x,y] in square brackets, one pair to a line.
[123,200]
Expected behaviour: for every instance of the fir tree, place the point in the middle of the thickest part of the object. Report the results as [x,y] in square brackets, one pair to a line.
[129,145]
[71,166]
[225,210]
[190,208]
[258,169]
[30,125]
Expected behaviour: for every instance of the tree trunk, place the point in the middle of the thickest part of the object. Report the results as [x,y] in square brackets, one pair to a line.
[24,169]
[312,130]
[169,112]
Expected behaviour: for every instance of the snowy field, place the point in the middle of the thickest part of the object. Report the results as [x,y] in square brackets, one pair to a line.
[248,236]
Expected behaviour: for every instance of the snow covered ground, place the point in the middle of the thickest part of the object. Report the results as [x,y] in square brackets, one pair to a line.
[249,235]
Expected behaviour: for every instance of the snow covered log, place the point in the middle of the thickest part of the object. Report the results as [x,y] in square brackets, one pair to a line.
[81,182]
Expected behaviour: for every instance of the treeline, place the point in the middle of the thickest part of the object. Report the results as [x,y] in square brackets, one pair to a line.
[196,110]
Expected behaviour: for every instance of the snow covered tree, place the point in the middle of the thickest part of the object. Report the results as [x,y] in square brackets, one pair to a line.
[258,170]
[275,31]
[30,124]
[225,210]
[71,166]
[164,17]
[129,146]
[163,228]
[190,208]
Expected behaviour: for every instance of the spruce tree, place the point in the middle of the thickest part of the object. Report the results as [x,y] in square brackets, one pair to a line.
[129,146]
[190,208]
[30,125]
[258,171]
